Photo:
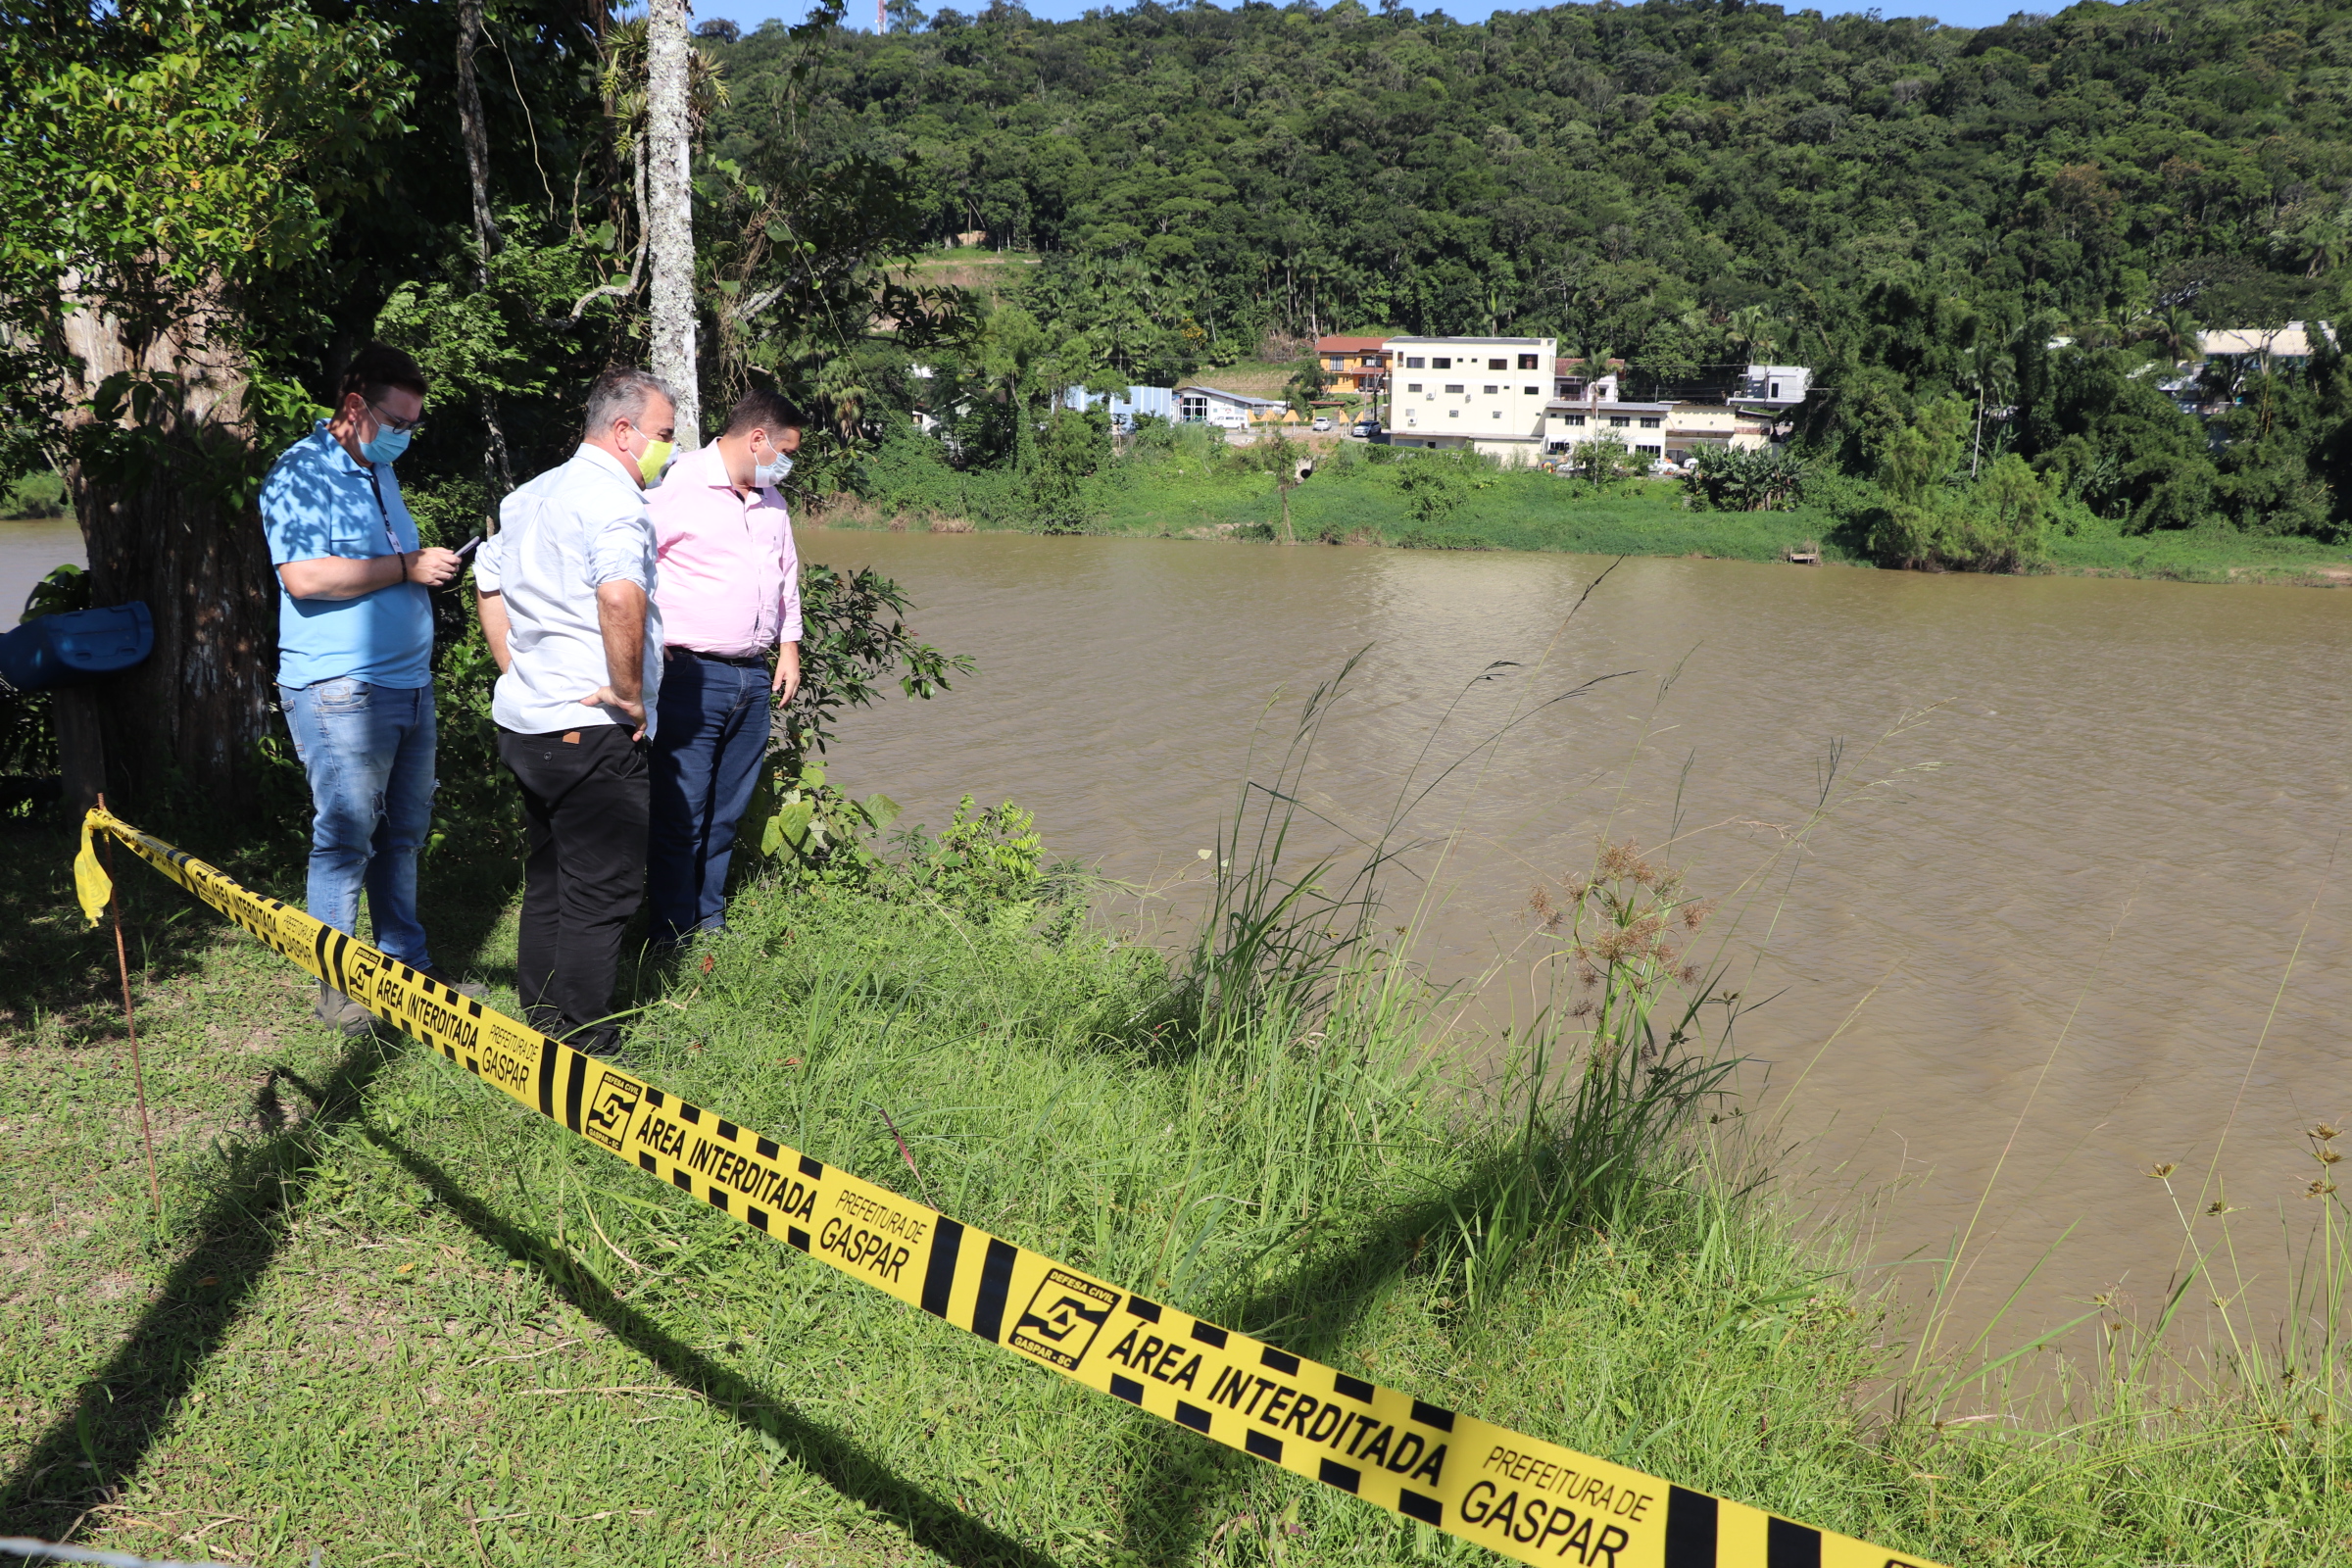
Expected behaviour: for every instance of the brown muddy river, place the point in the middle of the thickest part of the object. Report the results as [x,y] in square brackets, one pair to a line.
[2087,917]
[29,550]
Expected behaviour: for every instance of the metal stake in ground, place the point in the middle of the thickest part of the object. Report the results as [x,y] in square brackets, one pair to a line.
[138,1073]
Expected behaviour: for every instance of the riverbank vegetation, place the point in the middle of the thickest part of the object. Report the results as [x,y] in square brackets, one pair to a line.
[383,1313]
[1186,482]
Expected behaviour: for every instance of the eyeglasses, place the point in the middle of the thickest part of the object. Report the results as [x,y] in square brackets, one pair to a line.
[393,423]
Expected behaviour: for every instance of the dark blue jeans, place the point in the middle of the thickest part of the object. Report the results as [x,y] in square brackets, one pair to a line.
[710,736]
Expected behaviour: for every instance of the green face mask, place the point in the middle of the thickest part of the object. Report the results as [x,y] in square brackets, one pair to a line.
[655,458]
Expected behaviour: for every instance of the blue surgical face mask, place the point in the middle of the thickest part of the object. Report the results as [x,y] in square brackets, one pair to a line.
[385,446]
[764,474]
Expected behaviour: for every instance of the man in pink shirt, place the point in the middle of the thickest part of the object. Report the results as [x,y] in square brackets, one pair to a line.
[728,586]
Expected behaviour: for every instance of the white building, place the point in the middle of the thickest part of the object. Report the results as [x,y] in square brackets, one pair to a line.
[1227,410]
[1573,381]
[1639,427]
[1774,387]
[1488,394]
[1692,428]
[1657,432]
[2280,346]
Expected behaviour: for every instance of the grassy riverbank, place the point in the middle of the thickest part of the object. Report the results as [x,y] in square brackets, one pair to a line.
[387,1315]
[1194,486]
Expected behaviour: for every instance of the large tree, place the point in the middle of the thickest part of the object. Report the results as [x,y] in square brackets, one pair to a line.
[206,213]
[170,177]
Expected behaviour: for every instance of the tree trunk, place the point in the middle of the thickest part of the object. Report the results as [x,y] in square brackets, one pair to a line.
[477,140]
[669,226]
[166,528]
[498,472]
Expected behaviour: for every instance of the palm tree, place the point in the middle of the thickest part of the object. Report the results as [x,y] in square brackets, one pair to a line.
[1989,374]
[2179,332]
[2315,233]
[841,383]
[1013,351]
[1592,355]
[1753,325]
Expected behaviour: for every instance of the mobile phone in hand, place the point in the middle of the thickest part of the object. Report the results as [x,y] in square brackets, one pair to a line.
[465,551]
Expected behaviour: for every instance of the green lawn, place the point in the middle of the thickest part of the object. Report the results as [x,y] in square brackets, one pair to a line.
[2200,555]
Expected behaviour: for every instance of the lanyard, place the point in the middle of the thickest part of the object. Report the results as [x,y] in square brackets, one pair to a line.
[376,484]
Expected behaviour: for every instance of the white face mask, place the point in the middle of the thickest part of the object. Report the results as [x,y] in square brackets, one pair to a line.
[770,473]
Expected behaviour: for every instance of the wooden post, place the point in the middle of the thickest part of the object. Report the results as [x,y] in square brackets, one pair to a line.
[80,748]
[138,1071]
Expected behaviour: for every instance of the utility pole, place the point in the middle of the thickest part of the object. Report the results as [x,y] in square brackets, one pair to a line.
[670,219]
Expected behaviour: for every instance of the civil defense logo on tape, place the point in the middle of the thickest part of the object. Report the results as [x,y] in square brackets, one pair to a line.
[610,1108]
[1062,1318]
[360,968]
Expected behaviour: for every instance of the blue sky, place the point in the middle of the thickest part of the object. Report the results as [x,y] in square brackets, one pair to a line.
[749,13]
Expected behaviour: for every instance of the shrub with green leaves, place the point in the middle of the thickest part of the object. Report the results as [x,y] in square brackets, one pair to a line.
[1768,479]
[815,834]
[1936,517]
[985,856]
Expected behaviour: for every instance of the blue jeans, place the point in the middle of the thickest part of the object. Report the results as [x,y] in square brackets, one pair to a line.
[707,745]
[368,750]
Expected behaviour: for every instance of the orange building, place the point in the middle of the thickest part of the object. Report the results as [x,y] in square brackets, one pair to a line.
[1357,364]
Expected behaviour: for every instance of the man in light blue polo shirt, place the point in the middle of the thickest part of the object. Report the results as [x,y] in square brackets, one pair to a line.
[355,665]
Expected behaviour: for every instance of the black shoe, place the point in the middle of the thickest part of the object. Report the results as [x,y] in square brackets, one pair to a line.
[339,1012]
[463,988]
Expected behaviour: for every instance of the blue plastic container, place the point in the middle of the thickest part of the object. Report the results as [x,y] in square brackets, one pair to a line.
[60,650]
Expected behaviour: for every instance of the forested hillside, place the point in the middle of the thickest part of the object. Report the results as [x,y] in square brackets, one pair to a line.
[1917,211]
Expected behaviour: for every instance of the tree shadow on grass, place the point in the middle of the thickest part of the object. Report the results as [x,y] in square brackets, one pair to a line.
[933,1523]
[54,960]
[463,903]
[89,1456]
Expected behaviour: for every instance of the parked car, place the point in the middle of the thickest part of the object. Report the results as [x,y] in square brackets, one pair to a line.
[1365,429]
[1322,421]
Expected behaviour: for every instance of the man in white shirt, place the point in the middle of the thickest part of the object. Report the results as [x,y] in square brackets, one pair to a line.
[565,594]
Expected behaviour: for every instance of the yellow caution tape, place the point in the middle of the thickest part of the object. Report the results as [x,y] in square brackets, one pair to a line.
[91,885]
[1518,1495]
